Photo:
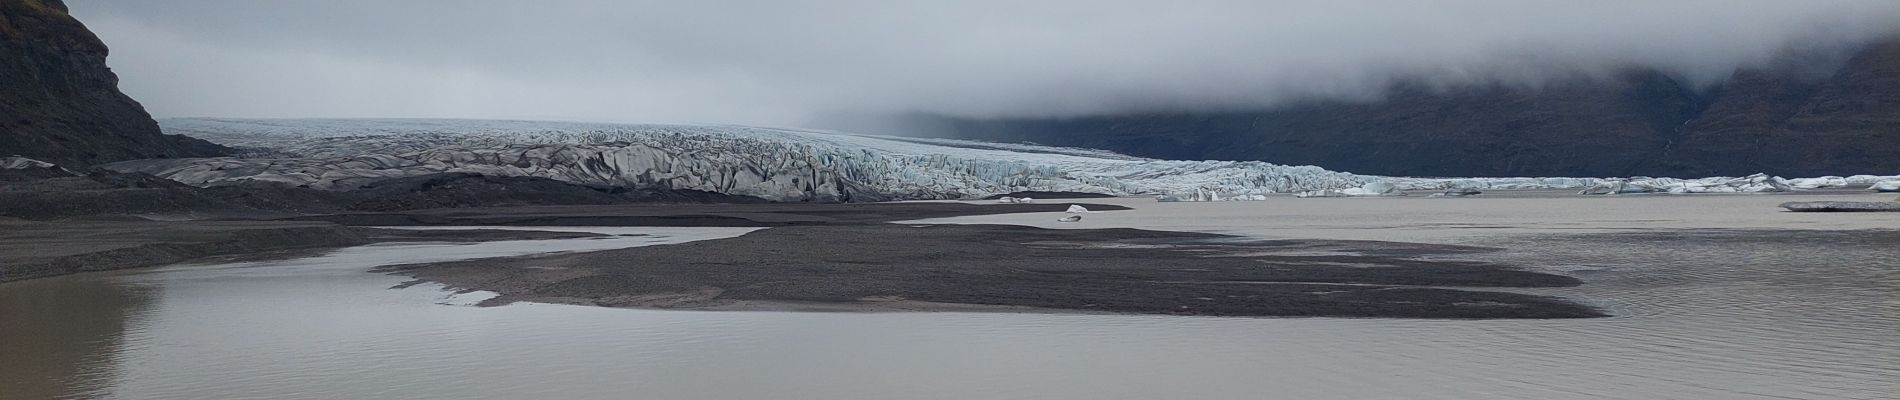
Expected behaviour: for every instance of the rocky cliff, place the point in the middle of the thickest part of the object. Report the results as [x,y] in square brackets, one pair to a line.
[1790,121]
[60,103]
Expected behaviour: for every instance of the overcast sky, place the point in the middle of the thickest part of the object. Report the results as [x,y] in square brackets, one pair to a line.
[782,62]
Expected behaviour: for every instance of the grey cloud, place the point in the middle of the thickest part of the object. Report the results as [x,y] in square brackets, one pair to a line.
[780,62]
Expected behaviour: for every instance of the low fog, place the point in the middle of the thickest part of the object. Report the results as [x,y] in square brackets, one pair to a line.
[784,62]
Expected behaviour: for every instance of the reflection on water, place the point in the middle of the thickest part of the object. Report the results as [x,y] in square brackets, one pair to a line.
[61,337]
[1721,318]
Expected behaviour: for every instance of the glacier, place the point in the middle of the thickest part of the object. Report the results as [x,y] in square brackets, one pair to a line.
[789,164]
[771,163]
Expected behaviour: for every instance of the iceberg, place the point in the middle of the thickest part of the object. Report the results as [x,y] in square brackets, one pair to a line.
[1078,209]
[1071,218]
[1885,186]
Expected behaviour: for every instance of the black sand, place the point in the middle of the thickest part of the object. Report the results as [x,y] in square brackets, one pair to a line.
[731,215]
[31,249]
[848,257]
[886,266]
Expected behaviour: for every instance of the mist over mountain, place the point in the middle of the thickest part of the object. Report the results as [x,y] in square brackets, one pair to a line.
[1808,114]
[785,63]
[1469,87]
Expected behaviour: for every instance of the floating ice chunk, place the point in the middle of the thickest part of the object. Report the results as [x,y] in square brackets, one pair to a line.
[1885,186]
[1078,209]
[1071,218]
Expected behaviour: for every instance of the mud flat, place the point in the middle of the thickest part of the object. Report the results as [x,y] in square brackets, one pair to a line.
[688,215]
[40,249]
[1842,206]
[890,267]
[31,249]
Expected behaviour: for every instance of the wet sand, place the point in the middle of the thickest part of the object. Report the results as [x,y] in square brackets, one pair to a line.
[1466,220]
[1713,297]
[33,249]
[30,249]
[890,267]
[692,215]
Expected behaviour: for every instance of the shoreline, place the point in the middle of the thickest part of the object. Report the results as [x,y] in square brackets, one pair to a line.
[32,249]
[903,268]
[150,244]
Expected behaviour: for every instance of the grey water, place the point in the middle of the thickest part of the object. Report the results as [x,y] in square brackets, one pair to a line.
[1737,315]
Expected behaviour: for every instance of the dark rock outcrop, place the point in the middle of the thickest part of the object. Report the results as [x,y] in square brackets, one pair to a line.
[1784,120]
[60,103]
[105,192]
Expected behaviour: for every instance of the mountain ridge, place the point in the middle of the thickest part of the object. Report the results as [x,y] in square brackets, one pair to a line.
[1778,120]
[59,102]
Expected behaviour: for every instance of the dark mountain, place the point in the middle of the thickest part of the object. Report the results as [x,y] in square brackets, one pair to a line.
[1780,120]
[60,103]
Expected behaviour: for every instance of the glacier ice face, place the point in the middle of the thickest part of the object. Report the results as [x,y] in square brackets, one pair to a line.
[1818,183]
[793,164]
[778,164]
[1371,189]
[1756,183]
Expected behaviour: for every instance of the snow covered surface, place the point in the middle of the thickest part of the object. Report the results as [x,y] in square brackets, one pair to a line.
[779,164]
[791,164]
[22,163]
